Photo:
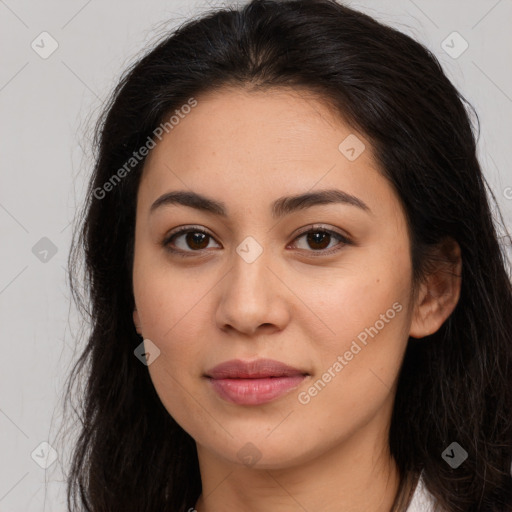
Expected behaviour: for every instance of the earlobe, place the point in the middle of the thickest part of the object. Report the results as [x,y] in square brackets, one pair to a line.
[439,293]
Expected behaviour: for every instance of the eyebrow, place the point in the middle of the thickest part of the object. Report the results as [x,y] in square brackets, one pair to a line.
[280,207]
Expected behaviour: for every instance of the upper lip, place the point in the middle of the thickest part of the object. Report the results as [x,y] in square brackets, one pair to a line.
[260,368]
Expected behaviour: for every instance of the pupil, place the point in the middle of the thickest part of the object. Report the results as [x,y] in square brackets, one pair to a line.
[197,237]
[318,237]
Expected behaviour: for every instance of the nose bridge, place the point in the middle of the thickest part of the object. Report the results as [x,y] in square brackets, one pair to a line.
[250,265]
[249,296]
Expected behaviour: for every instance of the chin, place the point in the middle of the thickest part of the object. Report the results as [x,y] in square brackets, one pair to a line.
[260,453]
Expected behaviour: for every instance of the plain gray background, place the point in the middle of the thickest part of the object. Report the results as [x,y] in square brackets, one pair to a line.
[47,109]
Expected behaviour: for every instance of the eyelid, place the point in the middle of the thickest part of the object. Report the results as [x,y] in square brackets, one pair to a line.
[322,227]
[185,228]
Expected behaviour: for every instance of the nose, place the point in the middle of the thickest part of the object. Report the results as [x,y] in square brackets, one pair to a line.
[253,298]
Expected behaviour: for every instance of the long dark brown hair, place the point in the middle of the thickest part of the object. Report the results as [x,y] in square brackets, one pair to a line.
[454,386]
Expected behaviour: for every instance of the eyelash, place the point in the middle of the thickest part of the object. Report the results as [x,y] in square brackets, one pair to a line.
[315,229]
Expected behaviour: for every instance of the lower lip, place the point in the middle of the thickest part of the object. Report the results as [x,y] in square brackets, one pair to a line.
[255,391]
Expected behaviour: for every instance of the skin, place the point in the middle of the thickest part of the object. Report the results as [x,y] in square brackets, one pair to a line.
[291,304]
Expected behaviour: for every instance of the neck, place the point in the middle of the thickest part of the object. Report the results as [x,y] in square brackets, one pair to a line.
[357,474]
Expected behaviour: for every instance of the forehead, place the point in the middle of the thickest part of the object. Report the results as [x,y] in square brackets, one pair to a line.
[239,123]
[240,144]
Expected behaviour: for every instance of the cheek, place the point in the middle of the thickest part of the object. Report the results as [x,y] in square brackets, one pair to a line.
[356,301]
[172,318]
[356,368]
[166,316]
[167,299]
[367,316]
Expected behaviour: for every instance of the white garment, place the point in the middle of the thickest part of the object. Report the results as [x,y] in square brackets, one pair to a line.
[422,500]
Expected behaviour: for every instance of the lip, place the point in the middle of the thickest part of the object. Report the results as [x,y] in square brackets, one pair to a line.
[254,382]
[257,369]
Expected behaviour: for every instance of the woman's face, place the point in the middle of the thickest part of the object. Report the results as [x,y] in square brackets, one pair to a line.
[334,303]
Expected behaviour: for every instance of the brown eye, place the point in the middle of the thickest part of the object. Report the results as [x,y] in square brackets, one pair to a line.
[319,240]
[196,240]
[187,240]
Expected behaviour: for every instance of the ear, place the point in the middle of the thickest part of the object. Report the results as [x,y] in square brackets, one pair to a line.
[136,321]
[439,293]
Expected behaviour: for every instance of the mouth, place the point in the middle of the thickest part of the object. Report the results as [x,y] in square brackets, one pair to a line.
[254,382]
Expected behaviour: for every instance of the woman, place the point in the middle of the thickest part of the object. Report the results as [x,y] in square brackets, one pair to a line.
[298,297]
